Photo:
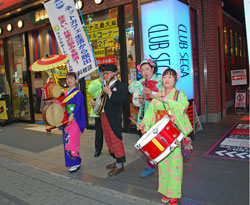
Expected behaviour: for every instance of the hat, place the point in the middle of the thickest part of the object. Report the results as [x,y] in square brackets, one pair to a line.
[101,67]
[110,67]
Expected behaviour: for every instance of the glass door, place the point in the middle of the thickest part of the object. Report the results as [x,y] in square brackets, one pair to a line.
[18,70]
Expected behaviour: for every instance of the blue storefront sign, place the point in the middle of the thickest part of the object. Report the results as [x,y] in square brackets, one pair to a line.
[167,39]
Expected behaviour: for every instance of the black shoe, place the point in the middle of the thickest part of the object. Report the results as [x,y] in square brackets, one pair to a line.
[97,154]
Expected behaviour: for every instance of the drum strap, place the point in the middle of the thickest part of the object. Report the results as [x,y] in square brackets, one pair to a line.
[176,95]
[70,96]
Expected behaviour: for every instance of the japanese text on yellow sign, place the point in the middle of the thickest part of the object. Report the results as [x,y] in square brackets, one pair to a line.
[107,42]
[99,52]
[104,34]
[101,25]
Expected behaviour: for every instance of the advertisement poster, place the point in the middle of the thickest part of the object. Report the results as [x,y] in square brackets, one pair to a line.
[3,111]
[239,77]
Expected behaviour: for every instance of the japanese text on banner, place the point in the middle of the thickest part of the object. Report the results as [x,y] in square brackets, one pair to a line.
[70,36]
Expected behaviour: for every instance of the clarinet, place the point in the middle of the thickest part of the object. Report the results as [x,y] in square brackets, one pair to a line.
[144,98]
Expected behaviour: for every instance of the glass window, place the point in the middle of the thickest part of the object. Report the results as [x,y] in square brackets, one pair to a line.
[232,51]
[19,77]
[3,79]
[227,53]
[103,31]
[131,56]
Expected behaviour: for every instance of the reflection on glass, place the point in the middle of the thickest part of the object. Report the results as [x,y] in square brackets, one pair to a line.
[18,77]
[4,85]
[103,31]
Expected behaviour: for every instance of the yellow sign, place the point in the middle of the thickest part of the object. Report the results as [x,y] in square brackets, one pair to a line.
[107,42]
[3,111]
[99,52]
[60,72]
[108,33]
[101,25]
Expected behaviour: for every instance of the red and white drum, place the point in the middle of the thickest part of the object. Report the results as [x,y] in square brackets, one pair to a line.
[160,140]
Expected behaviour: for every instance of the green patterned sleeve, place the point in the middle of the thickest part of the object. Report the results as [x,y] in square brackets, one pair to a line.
[178,110]
[149,117]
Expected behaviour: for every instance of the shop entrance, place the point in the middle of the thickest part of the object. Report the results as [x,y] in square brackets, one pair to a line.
[18,78]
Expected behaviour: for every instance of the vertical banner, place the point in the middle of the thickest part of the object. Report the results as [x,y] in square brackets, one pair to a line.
[166,37]
[70,36]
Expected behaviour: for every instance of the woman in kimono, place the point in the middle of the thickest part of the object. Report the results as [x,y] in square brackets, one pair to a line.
[142,96]
[76,116]
[170,168]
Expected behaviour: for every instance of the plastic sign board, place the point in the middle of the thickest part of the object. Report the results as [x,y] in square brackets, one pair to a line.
[70,36]
[166,37]
[3,110]
[240,98]
[239,77]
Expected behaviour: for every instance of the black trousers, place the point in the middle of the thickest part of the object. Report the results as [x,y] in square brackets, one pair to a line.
[98,135]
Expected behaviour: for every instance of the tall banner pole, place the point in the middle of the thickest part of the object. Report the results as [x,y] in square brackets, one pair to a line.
[88,37]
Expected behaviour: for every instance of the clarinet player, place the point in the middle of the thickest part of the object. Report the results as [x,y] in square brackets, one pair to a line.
[143,91]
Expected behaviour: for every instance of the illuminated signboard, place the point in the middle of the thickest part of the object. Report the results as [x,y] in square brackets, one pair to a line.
[167,39]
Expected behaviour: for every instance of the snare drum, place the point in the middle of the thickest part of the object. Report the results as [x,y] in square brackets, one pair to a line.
[160,140]
[55,113]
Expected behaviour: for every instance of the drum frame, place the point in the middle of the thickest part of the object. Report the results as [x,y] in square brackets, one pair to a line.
[150,139]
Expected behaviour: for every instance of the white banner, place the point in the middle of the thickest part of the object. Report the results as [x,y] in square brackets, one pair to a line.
[70,36]
[239,77]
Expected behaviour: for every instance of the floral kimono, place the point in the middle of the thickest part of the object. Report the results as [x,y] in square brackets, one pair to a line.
[170,168]
[153,84]
[71,133]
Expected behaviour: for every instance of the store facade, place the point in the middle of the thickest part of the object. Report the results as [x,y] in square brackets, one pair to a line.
[115,32]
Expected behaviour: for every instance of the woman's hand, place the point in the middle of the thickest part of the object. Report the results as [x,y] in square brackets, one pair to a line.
[140,126]
[161,97]
[92,102]
[71,117]
[147,91]
[141,99]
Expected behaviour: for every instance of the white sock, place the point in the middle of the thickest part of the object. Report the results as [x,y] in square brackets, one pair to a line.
[118,165]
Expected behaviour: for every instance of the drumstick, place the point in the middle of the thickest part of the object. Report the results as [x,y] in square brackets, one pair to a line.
[132,120]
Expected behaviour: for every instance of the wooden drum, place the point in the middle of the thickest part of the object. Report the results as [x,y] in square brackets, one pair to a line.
[54,90]
[54,113]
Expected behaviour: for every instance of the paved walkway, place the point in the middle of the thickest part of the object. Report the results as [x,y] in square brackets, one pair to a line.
[207,181]
[25,184]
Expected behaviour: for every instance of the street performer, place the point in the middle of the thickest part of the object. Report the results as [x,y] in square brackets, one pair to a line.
[171,167]
[143,91]
[111,118]
[77,122]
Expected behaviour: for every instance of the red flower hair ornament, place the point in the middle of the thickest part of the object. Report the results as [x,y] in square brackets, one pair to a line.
[148,61]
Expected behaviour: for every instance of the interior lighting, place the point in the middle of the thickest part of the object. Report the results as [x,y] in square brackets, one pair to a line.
[20,23]
[9,27]
[79,4]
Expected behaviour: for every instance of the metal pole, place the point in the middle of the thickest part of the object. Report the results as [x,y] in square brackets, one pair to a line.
[88,38]
[205,62]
